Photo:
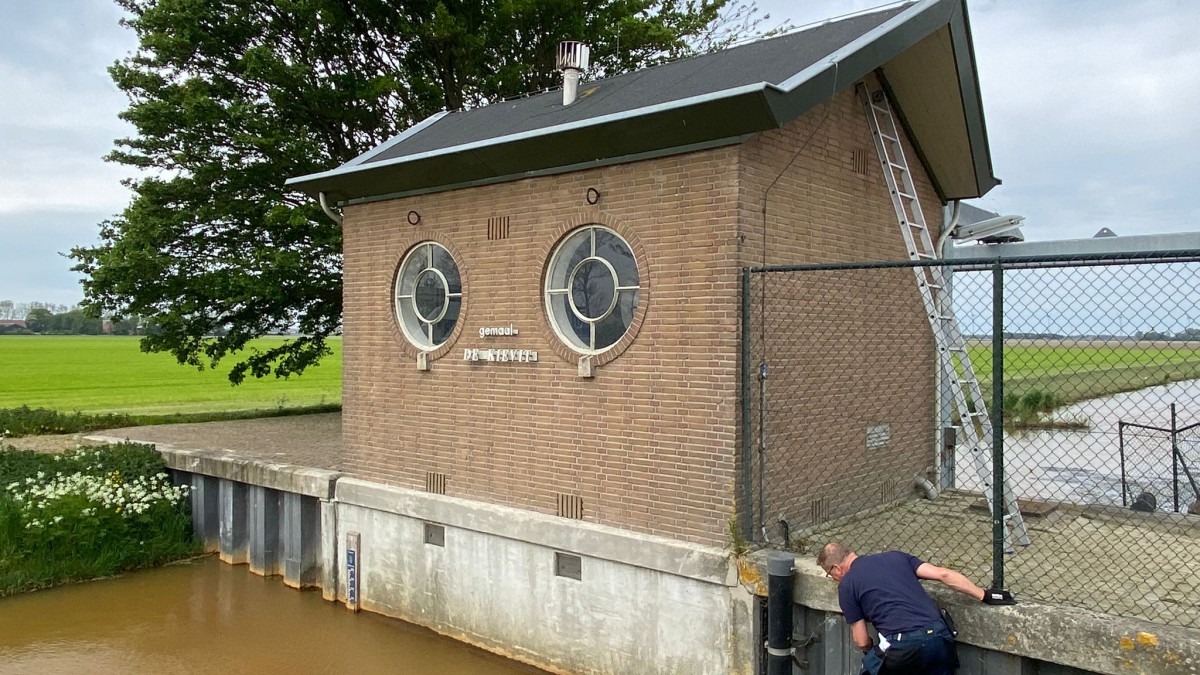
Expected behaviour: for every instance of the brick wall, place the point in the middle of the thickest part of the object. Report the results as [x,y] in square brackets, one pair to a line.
[650,442]
[847,351]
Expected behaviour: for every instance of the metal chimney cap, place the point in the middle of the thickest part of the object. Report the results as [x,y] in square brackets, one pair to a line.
[573,55]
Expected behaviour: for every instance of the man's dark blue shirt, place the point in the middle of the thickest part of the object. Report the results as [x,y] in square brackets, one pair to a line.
[883,588]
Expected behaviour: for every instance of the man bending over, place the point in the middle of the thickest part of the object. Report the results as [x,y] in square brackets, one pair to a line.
[885,590]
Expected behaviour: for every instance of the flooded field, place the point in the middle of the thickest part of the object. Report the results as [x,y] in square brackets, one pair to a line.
[208,617]
[1085,467]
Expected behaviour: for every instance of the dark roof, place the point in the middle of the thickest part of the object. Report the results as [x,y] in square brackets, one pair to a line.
[772,61]
[704,101]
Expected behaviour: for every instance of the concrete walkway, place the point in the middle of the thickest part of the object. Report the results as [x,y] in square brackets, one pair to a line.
[303,440]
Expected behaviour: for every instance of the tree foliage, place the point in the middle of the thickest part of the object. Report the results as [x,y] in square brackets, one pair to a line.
[229,98]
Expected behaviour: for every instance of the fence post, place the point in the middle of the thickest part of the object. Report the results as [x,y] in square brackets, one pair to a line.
[1121,450]
[1174,460]
[998,524]
[747,515]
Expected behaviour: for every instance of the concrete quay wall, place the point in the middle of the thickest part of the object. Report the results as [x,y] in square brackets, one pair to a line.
[1023,639]
[575,597]
[564,595]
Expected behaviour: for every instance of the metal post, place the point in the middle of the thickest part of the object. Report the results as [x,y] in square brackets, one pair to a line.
[1174,460]
[1121,450]
[762,445]
[997,425]
[780,581]
[747,515]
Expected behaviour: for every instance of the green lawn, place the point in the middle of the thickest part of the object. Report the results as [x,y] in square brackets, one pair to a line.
[106,373]
[1078,372]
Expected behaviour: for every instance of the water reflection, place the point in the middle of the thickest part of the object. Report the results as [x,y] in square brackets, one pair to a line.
[207,617]
[1084,467]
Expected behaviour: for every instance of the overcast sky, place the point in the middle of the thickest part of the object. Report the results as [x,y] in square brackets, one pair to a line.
[1091,107]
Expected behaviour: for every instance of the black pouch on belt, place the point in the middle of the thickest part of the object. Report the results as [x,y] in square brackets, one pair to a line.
[948,620]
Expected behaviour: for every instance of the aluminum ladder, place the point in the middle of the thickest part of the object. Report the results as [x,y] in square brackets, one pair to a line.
[975,426]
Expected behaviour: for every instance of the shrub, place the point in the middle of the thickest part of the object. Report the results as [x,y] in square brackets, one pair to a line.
[88,513]
[26,421]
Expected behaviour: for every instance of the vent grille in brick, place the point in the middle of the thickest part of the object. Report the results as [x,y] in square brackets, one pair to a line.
[858,160]
[570,506]
[435,483]
[498,228]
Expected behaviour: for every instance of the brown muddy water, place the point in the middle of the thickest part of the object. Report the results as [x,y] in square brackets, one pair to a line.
[205,616]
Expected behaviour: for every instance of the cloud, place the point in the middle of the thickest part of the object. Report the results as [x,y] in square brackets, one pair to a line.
[32,247]
[1089,113]
[59,112]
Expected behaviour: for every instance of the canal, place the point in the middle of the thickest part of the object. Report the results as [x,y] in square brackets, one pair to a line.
[204,616]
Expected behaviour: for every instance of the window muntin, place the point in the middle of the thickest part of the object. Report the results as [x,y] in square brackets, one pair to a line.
[428,295]
[592,289]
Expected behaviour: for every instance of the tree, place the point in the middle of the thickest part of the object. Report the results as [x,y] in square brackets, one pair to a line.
[229,98]
[38,319]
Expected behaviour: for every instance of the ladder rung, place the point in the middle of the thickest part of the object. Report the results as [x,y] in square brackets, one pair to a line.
[890,137]
[898,166]
[905,195]
[922,255]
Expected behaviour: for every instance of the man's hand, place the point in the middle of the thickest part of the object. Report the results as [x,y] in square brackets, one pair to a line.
[998,596]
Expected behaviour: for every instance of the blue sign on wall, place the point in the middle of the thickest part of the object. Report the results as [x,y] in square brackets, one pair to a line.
[352,576]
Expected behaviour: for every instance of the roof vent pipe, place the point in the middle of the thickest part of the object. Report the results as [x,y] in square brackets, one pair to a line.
[572,61]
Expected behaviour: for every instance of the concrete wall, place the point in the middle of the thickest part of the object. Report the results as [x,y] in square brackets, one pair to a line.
[1025,639]
[643,604]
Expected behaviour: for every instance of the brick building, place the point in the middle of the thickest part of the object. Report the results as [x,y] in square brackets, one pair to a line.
[677,165]
[542,300]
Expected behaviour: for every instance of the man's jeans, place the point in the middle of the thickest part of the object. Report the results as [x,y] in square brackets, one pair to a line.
[929,651]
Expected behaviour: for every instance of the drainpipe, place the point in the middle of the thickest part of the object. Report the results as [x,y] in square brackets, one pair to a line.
[333,215]
[945,471]
[947,230]
[780,583]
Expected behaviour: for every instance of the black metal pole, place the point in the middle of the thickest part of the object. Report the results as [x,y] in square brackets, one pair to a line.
[747,520]
[1174,461]
[780,570]
[1121,449]
[997,425]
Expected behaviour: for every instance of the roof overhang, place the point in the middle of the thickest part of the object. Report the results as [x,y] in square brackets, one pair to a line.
[924,55]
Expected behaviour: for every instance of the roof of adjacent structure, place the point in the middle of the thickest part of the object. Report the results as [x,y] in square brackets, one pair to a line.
[699,102]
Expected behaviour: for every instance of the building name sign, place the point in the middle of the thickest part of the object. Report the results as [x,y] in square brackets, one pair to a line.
[500,355]
[496,331]
[503,355]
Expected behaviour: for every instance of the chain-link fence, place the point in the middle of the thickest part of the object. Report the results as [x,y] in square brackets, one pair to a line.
[858,409]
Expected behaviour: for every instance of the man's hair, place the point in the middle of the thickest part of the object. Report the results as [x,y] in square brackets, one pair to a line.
[832,554]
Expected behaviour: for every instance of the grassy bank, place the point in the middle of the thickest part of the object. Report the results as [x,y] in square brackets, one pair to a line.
[26,421]
[1075,373]
[110,374]
[89,513]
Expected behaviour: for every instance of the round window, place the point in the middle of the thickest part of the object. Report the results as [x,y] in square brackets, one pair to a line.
[428,295]
[592,286]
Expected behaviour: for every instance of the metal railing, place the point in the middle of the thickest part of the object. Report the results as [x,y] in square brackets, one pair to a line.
[1090,367]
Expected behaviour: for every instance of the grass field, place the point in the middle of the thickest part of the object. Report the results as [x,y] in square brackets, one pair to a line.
[103,373]
[1078,371]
